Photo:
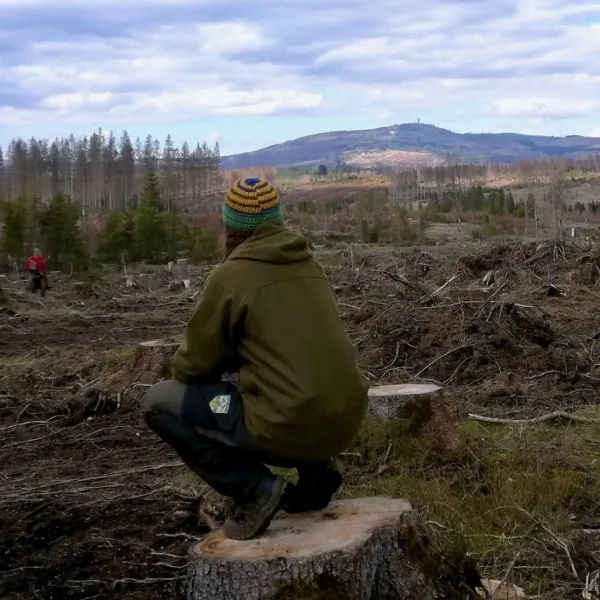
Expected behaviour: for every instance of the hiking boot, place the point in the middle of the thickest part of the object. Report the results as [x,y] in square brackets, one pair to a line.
[316,486]
[253,519]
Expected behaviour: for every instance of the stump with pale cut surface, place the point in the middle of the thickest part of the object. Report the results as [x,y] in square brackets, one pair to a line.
[363,549]
[149,363]
[181,275]
[181,269]
[424,406]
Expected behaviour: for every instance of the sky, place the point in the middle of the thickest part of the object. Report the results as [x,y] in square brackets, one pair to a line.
[251,74]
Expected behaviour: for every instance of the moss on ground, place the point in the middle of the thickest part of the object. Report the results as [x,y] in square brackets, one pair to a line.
[515,490]
[115,359]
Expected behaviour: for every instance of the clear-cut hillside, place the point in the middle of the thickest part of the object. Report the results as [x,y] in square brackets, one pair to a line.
[435,144]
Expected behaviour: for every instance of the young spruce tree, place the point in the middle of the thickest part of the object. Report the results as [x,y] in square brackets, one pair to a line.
[149,227]
[60,234]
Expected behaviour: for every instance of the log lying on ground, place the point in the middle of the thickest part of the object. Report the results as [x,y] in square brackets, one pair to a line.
[424,406]
[371,548]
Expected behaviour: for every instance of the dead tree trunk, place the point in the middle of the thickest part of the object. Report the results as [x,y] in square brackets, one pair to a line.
[428,412]
[356,550]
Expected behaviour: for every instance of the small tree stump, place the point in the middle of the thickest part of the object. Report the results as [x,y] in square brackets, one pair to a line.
[181,275]
[181,269]
[149,363]
[429,414]
[152,359]
[85,289]
[363,549]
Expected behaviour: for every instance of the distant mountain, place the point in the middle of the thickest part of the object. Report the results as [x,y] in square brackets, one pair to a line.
[410,143]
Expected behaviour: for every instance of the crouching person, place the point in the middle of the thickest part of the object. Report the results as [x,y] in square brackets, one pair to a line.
[269,314]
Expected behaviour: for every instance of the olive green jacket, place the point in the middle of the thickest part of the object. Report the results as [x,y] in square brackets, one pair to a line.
[270,313]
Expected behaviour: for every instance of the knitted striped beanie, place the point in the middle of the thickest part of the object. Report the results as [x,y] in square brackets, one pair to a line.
[250,203]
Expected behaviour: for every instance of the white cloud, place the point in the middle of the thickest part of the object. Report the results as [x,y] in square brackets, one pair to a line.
[76,101]
[553,108]
[161,61]
[164,107]
[168,74]
[231,38]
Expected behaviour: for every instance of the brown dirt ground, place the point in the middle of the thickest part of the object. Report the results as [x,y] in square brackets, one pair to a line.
[92,505]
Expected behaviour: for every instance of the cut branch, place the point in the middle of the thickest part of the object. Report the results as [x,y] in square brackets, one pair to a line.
[557,414]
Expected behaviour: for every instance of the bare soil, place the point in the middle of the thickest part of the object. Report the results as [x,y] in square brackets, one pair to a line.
[92,505]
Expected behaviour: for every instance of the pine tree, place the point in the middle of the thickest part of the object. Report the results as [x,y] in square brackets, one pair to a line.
[110,156]
[61,238]
[168,160]
[119,238]
[177,235]
[204,247]
[14,229]
[151,193]
[530,206]
[148,155]
[510,204]
[54,168]
[185,165]
[478,198]
[127,168]
[150,231]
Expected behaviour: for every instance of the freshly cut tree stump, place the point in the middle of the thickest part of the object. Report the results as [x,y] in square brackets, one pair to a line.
[181,275]
[429,413]
[371,548]
[181,269]
[386,400]
[149,363]
[151,360]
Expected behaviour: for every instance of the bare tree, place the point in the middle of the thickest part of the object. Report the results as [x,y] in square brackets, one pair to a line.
[95,160]
[3,186]
[101,172]
[126,172]
[557,180]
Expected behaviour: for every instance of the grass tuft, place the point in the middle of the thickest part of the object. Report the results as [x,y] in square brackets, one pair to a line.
[517,490]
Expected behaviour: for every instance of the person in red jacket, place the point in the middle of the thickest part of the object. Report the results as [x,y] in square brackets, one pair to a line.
[35,265]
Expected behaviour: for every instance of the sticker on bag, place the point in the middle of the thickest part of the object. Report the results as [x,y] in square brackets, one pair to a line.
[220,405]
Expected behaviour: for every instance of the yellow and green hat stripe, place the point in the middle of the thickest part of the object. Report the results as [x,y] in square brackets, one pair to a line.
[249,203]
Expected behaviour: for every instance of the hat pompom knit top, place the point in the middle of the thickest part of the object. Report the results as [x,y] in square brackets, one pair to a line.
[249,203]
